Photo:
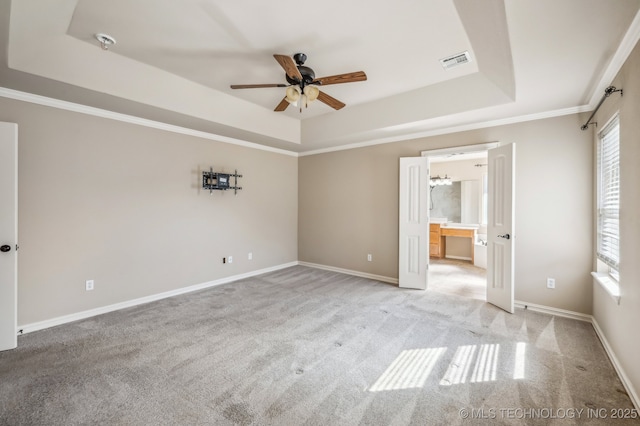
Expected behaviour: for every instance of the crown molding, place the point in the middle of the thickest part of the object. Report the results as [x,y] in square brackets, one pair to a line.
[454,129]
[110,115]
[625,48]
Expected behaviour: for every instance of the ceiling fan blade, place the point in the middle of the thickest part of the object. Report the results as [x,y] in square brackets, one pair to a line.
[282,105]
[342,78]
[256,86]
[289,66]
[332,102]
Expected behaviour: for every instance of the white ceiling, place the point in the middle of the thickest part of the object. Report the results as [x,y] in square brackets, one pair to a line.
[174,62]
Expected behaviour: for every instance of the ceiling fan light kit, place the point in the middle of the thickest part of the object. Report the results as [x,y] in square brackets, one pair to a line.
[311,92]
[292,95]
[303,84]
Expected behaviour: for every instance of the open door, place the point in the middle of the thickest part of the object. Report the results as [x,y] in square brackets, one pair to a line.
[413,250]
[500,227]
[8,235]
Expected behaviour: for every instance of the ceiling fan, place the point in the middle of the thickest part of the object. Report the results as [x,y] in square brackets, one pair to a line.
[303,84]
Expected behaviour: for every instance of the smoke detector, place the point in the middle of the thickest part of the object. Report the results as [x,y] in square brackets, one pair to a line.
[105,40]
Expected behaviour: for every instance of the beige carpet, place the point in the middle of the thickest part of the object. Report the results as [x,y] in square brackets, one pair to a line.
[308,347]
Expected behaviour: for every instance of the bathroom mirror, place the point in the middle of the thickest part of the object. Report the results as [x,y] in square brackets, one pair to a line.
[460,202]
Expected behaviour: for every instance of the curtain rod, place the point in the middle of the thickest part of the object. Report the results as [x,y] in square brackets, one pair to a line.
[607,92]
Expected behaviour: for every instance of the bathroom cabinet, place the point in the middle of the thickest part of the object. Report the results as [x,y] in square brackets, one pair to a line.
[436,242]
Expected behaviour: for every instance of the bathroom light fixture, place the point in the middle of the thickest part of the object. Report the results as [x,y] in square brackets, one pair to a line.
[437,180]
[105,40]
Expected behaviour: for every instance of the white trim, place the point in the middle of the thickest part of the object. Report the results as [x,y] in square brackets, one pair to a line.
[626,382]
[125,118]
[608,349]
[484,146]
[447,256]
[351,272]
[41,325]
[608,284]
[615,115]
[98,112]
[454,129]
[625,48]
[553,311]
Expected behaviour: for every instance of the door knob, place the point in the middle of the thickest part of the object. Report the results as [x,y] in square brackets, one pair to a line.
[505,236]
[5,248]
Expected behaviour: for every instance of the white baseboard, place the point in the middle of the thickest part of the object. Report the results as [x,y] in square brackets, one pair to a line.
[457,257]
[553,311]
[28,328]
[607,347]
[350,272]
[616,364]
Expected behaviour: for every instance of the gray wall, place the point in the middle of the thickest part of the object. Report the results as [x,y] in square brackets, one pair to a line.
[619,323]
[120,203]
[340,223]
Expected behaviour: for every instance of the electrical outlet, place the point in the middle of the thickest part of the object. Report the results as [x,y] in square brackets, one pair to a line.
[88,285]
[551,283]
[230,259]
[369,258]
[250,256]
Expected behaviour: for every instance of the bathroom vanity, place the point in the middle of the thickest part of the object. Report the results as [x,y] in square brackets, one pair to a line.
[439,231]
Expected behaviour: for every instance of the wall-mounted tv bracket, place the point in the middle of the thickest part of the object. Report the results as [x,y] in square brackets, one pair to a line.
[220,181]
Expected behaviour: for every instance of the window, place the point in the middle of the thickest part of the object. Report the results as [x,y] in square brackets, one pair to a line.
[608,181]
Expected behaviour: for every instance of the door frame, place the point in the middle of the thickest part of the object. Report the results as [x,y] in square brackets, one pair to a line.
[484,146]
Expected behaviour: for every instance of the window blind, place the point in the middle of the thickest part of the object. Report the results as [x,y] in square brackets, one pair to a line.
[608,244]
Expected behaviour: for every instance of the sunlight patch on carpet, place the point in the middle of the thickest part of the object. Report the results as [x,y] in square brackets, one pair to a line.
[409,370]
[459,367]
[486,364]
[518,369]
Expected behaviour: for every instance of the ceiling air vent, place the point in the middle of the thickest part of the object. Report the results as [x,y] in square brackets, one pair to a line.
[455,60]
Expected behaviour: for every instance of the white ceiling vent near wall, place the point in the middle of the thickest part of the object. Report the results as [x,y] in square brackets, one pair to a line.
[455,60]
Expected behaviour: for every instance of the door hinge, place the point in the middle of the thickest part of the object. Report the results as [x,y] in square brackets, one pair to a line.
[17,247]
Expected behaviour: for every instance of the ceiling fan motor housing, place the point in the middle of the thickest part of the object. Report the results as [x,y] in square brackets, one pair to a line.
[307,76]
[300,58]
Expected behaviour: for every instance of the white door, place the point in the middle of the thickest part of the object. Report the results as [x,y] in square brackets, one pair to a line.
[500,227]
[8,235]
[413,255]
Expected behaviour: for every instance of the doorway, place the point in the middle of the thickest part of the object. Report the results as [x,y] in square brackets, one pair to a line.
[458,214]
[415,233]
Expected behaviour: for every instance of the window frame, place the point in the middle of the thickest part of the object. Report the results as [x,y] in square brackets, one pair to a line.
[607,209]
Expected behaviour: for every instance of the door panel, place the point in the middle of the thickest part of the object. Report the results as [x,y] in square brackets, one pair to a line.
[8,234]
[413,250]
[500,227]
